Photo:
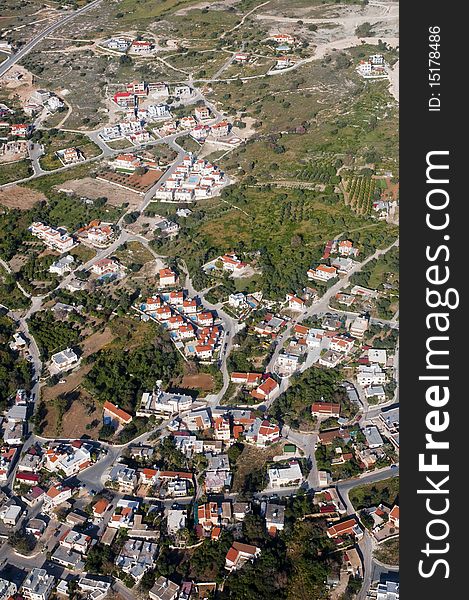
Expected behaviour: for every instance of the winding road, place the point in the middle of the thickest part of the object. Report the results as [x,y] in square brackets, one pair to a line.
[26,49]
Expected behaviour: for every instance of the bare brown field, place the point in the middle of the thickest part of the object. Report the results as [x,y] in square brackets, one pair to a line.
[94,188]
[97,341]
[20,197]
[201,381]
[72,382]
[251,460]
[74,422]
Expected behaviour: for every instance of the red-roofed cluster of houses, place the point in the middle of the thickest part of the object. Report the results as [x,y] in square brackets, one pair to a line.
[185,319]
[266,387]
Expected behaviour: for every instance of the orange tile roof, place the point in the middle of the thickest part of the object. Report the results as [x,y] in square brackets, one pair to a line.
[100,506]
[118,412]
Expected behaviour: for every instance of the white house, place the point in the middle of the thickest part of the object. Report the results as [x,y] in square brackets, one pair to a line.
[63,265]
[322,273]
[182,91]
[158,111]
[285,476]
[237,300]
[64,360]
[38,585]
[7,589]
[377,355]
[358,327]
[370,375]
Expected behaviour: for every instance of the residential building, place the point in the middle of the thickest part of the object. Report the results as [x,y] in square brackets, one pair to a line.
[13,433]
[10,514]
[7,455]
[325,409]
[56,495]
[138,88]
[123,515]
[377,355]
[373,437]
[69,458]
[74,540]
[100,508]
[349,527]
[7,589]
[387,591]
[262,433]
[247,379]
[106,266]
[182,91]
[137,557]
[267,390]
[346,248]
[124,99]
[287,363]
[295,303]
[124,478]
[119,44]
[115,416]
[19,342]
[96,589]
[63,265]
[38,585]
[31,461]
[343,265]
[241,58]
[198,420]
[240,510]
[341,344]
[126,163]
[164,589]
[73,561]
[220,129]
[330,359]
[56,239]
[237,300]
[283,62]
[218,477]
[375,392]
[358,327]
[290,475]
[394,516]
[222,430]
[322,273]
[161,403]
[176,520]
[274,518]
[20,130]
[64,360]
[141,47]
[239,554]
[202,113]
[370,375]
[33,497]
[167,277]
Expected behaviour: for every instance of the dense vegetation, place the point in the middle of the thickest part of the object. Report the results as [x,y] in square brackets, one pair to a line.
[294,406]
[14,373]
[386,492]
[360,194]
[121,375]
[51,335]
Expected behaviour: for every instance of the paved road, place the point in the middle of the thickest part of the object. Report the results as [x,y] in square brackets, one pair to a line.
[26,49]
[322,305]
[307,442]
[366,544]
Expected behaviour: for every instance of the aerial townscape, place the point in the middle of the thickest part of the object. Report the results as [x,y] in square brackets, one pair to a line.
[199,300]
